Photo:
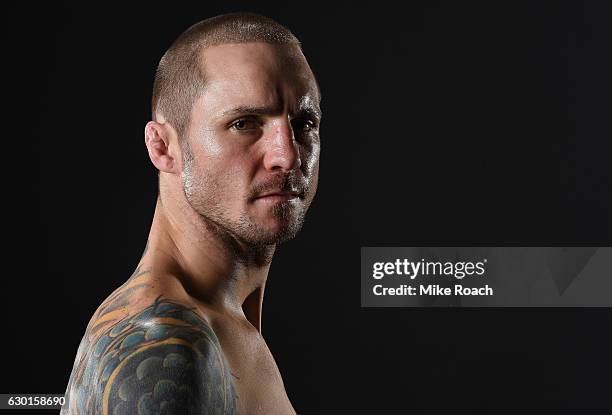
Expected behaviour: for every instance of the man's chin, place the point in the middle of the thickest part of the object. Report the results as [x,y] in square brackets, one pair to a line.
[277,234]
[271,229]
[279,223]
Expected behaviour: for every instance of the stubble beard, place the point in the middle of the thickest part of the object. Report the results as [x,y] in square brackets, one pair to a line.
[203,193]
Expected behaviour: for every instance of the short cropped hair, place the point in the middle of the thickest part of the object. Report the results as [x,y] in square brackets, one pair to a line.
[180,78]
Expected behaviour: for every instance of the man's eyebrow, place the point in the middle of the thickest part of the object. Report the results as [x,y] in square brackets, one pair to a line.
[311,110]
[245,109]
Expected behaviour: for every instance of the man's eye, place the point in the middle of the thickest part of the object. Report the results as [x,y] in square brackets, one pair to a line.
[303,125]
[244,125]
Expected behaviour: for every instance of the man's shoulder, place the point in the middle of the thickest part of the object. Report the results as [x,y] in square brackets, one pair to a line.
[132,298]
[163,356]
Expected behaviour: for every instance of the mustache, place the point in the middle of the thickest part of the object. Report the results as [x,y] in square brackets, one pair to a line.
[281,183]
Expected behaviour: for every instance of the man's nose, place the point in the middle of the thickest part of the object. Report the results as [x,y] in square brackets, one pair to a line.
[282,152]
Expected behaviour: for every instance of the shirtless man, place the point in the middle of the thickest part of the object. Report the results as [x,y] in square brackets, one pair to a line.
[235,137]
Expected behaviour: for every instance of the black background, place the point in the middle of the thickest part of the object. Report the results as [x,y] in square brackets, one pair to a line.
[444,124]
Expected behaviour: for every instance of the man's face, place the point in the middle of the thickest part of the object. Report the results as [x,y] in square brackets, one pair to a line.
[252,161]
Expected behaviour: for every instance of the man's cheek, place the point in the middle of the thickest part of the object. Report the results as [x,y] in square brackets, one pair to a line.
[310,162]
[313,176]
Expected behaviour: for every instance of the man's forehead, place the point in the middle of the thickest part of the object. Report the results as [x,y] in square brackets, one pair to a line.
[247,52]
[258,74]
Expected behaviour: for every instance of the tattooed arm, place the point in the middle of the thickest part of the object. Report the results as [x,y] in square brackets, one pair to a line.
[162,360]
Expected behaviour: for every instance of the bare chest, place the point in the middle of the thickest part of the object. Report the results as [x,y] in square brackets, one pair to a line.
[257,379]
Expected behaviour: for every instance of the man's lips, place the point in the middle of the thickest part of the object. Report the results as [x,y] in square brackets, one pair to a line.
[278,196]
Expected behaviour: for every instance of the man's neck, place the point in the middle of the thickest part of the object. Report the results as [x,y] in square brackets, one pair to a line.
[213,267]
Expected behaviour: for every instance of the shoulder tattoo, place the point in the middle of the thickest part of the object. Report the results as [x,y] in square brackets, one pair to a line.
[162,360]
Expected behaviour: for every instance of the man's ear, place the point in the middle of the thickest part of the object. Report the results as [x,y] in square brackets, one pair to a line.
[161,142]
